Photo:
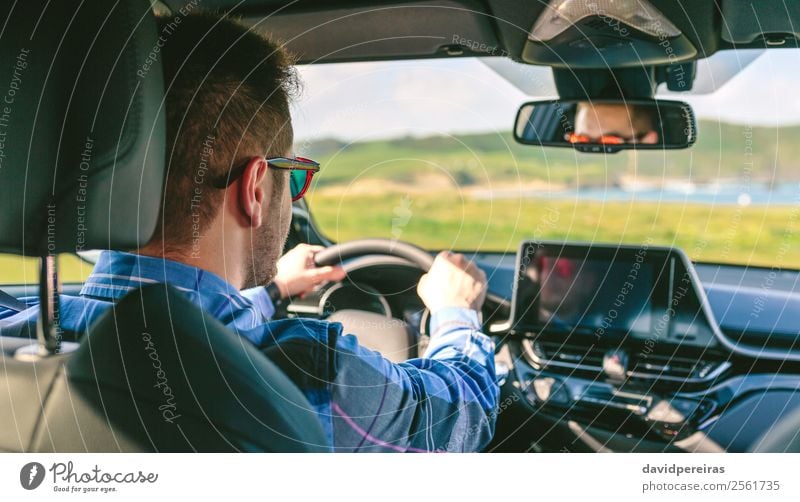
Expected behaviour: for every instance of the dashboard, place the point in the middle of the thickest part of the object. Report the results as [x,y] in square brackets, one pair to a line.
[616,348]
[620,346]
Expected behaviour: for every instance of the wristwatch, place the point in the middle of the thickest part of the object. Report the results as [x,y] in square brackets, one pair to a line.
[274,293]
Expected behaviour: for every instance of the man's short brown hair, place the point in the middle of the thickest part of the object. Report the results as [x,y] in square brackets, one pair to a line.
[228,90]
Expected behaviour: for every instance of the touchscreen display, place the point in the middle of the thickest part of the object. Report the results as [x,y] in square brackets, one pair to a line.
[559,290]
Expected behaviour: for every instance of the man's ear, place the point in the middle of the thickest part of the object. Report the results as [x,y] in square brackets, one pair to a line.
[252,196]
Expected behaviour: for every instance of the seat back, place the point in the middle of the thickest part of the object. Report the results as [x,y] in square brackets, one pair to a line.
[155,373]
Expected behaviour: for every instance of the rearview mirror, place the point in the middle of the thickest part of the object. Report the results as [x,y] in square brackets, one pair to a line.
[606,126]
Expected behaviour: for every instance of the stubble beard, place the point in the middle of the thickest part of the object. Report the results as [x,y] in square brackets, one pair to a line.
[268,241]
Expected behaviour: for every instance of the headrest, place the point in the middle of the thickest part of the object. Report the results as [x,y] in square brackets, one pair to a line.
[81,125]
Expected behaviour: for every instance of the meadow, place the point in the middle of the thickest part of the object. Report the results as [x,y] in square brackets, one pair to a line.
[426,190]
[753,235]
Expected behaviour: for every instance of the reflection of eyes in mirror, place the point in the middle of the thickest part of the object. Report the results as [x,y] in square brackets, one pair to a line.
[613,123]
[606,125]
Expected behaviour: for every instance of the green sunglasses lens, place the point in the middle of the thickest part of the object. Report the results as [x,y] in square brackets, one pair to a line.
[297,182]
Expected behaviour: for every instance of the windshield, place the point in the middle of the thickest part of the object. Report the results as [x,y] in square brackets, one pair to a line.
[422,151]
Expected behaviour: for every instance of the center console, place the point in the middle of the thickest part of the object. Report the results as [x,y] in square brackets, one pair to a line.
[617,337]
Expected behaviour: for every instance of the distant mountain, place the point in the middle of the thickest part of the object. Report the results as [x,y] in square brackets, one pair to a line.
[723,152]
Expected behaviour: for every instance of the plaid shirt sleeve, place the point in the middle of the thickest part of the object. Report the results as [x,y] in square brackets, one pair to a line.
[443,401]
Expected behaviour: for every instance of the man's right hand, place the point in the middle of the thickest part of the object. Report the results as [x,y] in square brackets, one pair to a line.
[452,281]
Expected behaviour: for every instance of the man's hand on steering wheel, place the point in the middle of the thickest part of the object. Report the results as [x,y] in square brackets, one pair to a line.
[298,275]
[452,281]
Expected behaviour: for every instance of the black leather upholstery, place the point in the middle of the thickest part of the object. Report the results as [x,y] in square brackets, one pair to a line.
[155,374]
[82,158]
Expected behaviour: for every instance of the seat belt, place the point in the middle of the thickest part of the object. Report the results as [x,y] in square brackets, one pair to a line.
[11,303]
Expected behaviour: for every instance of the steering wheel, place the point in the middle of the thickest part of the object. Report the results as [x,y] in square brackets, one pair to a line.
[393,338]
[387,247]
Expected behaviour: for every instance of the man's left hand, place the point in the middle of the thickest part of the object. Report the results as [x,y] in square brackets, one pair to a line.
[297,274]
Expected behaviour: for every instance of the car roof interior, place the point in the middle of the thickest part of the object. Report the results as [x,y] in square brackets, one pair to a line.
[352,30]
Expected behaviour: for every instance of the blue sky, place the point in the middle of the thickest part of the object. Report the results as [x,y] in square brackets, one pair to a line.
[361,101]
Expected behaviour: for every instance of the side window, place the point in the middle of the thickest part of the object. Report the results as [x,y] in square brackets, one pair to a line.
[21,270]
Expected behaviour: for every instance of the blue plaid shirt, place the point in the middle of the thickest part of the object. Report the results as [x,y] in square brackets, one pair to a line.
[444,401]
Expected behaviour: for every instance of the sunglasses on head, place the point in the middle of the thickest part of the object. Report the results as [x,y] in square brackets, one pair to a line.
[300,173]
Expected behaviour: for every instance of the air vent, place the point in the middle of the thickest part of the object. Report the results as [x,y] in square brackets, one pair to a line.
[569,356]
[652,368]
[676,369]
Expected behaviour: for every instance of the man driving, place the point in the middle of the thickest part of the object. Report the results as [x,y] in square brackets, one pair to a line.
[225,216]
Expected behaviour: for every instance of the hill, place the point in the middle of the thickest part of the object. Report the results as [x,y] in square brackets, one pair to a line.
[723,151]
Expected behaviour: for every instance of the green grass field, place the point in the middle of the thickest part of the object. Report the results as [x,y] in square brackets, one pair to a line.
[722,151]
[393,188]
[754,235]
[403,188]
[18,270]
